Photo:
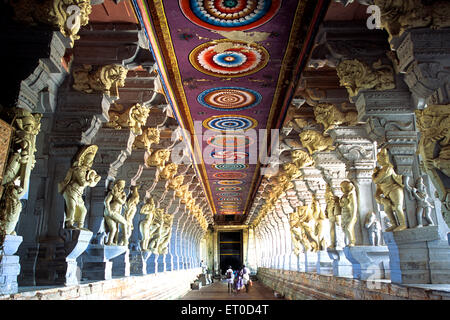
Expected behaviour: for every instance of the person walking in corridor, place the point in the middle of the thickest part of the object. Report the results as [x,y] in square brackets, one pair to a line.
[246,277]
[230,279]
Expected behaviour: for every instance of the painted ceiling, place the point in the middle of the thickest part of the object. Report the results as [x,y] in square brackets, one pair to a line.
[228,68]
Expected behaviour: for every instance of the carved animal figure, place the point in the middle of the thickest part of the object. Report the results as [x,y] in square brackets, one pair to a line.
[355,76]
[158,158]
[106,79]
[134,118]
[330,116]
[301,159]
[146,139]
[169,171]
[314,141]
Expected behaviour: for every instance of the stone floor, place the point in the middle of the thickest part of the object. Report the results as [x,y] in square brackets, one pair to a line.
[219,291]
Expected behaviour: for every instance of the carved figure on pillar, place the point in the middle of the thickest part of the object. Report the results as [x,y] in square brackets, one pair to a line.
[114,202]
[373,226]
[333,214]
[423,203]
[155,230]
[169,171]
[314,141]
[79,176]
[166,232]
[134,118]
[106,79]
[176,182]
[349,210]
[397,16]
[58,13]
[355,76]
[319,217]
[158,158]
[148,137]
[389,191]
[302,159]
[148,210]
[18,169]
[307,237]
[330,116]
[130,211]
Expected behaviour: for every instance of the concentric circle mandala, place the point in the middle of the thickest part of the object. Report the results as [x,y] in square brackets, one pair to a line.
[229,194]
[229,155]
[230,175]
[230,123]
[226,14]
[230,182]
[229,58]
[230,141]
[229,189]
[229,98]
[230,166]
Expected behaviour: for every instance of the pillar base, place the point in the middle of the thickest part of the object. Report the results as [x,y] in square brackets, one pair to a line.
[121,265]
[368,262]
[341,266]
[152,264]
[324,263]
[138,262]
[97,264]
[311,261]
[57,261]
[418,255]
[9,265]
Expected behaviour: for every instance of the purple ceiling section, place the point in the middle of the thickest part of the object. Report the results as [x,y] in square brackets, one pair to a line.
[233,79]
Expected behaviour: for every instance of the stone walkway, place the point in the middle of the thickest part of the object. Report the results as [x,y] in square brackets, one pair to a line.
[219,291]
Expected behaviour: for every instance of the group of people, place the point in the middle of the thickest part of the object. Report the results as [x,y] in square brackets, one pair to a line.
[238,279]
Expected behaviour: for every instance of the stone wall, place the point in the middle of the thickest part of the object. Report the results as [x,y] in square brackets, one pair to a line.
[157,286]
[296,285]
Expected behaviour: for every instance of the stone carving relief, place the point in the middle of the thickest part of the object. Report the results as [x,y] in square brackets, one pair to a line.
[20,163]
[397,16]
[330,116]
[148,210]
[373,226]
[169,171]
[158,159]
[389,191]
[148,137]
[333,213]
[134,118]
[176,182]
[356,75]
[61,14]
[79,176]
[106,79]
[114,202]
[314,141]
[302,159]
[301,230]
[319,217]
[130,211]
[424,203]
[349,209]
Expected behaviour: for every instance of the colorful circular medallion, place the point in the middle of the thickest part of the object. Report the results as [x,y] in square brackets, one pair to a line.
[229,123]
[226,14]
[230,182]
[230,141]
[229,58]
[229,155]
[230,166]
[229,189]
[229,98]
[230,175]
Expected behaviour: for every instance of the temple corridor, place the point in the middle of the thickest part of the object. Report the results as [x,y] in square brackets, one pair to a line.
[146,146]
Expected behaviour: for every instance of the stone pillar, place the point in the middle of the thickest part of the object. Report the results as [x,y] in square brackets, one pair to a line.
[359,154]
[9,265]
[98,261]
[121,265]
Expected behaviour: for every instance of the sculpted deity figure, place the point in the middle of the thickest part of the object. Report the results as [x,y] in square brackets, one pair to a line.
[114,201]
[169,171]
[296,232]
[333,213]
[373,226]
[155,230]
[130,211]
[423,203]
[158,159]
[146,139]
[67,15]
[134,118]
[329,116]
[148,210]
[319,217]
[389,191]
[308,237]
[166,232]
[397,16]
[301,159]
[20,162]
[176,183]
[355,76]
[79,176]
[349,210]
[106,79]
[314,141]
